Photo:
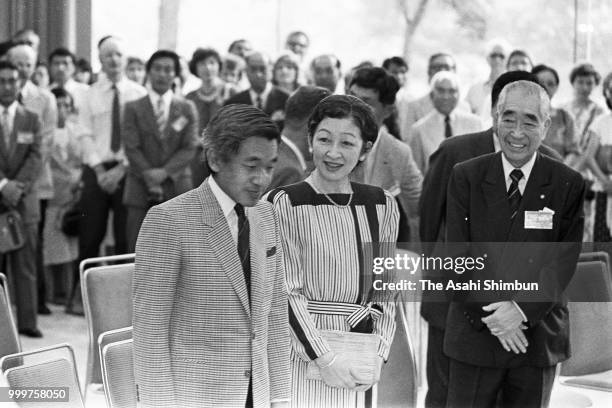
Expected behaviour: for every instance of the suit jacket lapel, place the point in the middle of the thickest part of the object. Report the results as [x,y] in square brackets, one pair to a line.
[258,260]
[4,149]
[496,197]
[149,111]
[173,114]
[535,197]
[220,239]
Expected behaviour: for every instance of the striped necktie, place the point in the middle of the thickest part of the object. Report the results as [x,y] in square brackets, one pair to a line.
[160,116]
[514,194]
[448,131]
[243,245]
[116,121]
[6,127]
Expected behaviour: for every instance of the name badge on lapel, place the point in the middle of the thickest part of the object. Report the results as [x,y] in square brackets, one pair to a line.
[180,123]
[542,219]
[25,137]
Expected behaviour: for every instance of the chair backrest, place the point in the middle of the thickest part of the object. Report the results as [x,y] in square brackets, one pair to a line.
[118,374]
[45,367]
[107,300]
[590,322]
[595,256]
[9,338]
[399,380]
[113,336]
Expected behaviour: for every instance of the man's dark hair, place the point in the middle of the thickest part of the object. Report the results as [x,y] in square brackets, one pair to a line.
[518,53]
[165,54]
[399,61]
[201,54]
[235,43]
[5,64]
[61,52]
[585,70]
[296,33]
[60,92]
[134,60]
[233,124]
[507,78]
[302,102]
[106,37]
[438,55]
[545,68]
[378,79]
[345,106]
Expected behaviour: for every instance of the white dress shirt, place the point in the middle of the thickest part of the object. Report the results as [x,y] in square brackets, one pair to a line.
[10,119]
[227,206]
[263,95]
[526,169]
[97,115]
[166,99]
[428,133]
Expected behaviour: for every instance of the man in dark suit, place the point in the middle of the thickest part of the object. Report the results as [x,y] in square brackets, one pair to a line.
[294,160]
[159,137]
[262,94]
[432,210]
[20,166]
[508,340]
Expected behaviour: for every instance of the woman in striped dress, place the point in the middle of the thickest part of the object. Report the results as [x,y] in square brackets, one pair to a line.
[326,222]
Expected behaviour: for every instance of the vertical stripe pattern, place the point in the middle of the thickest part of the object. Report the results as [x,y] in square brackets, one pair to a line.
[324,254]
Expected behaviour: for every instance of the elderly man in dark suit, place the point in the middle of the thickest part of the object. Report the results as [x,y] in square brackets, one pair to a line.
[432,210]
[507,340]
[210,300]
[159,137]
[262,94]
[20,166]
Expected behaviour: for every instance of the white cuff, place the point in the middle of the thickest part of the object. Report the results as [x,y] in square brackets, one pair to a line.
[3,183]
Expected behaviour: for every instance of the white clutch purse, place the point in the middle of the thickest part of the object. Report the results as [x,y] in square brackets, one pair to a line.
[360,349]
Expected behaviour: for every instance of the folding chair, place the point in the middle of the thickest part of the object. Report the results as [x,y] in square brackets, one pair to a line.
[52,366]
[9,337]
[118,374]
[113,336]
[590,328]
[107,300]
[398,385]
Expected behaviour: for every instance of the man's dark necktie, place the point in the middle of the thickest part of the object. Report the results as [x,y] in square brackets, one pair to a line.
[243,245]
[20,98]
[448,131]
[514,195]
[116,122]
[259,102]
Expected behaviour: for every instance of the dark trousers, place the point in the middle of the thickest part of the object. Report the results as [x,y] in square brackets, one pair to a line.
[96,205]
[40,265]
[21,274]
[135,217]
[521,387]
[437,369]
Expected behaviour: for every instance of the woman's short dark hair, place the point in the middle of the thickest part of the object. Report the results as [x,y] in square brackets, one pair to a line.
[345,106]
[165,54]
[584,70]
[286,58]
[543,68]
[233,124]
[200,55]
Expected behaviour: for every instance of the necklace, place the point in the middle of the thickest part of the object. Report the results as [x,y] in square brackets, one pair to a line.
[329,198]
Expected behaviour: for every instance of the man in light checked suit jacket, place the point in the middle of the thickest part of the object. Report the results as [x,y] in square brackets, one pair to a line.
[204,336]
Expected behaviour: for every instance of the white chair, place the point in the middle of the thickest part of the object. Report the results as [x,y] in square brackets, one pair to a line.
[118,374]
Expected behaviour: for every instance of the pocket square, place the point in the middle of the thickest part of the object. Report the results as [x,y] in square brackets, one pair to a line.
[270,252]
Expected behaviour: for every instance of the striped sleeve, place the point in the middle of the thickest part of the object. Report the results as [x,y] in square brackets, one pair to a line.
[303,329]
[385,325]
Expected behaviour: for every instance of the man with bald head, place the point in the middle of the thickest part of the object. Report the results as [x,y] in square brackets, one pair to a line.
[261,94]
[325,72]
[105,160]
[444,121]
[27,36]
[42,102]
[504,345]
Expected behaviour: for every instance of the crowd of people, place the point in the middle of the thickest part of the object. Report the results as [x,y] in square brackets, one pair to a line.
[150,154]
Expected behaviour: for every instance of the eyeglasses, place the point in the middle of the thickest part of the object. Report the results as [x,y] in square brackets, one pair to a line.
[497,55]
